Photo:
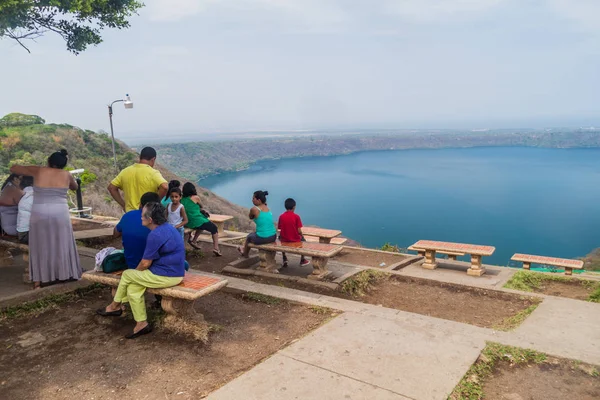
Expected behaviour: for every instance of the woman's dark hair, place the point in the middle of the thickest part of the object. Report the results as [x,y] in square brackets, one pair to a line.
[261,195]
[8,180]
[156,212]
[175,190]
[58,159]
[189,190]
[26,181]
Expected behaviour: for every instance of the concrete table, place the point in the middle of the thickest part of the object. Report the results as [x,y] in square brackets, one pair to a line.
[219,220]
[324,235]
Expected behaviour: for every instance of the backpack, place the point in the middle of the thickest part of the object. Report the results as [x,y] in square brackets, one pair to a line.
[114,262]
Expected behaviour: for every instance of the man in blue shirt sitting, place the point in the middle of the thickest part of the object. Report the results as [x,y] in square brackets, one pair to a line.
[132,231]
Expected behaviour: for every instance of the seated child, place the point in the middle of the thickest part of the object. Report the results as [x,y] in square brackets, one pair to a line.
[198,218]
[177,216]
[290,225]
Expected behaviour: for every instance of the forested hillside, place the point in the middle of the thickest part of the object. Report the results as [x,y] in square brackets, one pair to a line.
[27,139]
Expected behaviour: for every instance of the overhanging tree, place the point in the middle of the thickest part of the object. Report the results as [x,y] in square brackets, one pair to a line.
[78,22]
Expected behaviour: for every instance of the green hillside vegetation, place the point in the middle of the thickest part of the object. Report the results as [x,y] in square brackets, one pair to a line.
[26,139]
[200,159]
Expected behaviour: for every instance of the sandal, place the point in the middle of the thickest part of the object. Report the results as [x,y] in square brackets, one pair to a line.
[217,253]
[143,331]
[194,245]
[104,313]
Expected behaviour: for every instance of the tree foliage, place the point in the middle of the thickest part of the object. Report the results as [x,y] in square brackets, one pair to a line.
[78,22]
[18,119]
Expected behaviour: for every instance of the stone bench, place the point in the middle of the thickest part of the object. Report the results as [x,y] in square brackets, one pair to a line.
[316,239]
[476,252]
[320,254]
[176,300]
[568,264]
[451,254]
[219,220]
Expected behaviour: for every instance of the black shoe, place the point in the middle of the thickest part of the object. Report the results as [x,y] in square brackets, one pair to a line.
[143,331]
[104,313]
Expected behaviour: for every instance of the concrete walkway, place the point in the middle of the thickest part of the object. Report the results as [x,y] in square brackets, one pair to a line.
[372,352]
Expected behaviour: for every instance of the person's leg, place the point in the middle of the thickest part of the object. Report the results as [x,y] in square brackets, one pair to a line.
[193,237]
[182,231]
[249,239]
[214,231]
[303,260]
[133,289]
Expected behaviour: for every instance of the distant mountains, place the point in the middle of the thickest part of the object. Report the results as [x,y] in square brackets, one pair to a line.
[195,160]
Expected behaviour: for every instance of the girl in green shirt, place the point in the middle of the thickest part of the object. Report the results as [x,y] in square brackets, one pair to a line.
[198,218]
[263,218]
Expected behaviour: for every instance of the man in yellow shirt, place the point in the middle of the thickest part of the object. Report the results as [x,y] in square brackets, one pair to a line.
[138,179]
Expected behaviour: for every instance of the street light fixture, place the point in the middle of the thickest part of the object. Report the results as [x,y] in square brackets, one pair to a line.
[128,104]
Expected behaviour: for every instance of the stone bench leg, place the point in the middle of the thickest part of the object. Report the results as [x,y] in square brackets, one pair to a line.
[421,253]
[324,240]
[267,261]
[476,268]
[181,308]
[430,262]
[220,228]
[319,268]
[526,265]
[568,271]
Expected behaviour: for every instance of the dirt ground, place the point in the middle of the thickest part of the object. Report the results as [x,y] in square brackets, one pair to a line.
[553,380]
[470,305]
[480,307]
[69,353]
[573,290]
[368,258]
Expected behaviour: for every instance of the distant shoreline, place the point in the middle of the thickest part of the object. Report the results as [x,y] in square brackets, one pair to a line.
[200,160]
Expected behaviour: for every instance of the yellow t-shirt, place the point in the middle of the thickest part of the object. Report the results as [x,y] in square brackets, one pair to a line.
[136,180]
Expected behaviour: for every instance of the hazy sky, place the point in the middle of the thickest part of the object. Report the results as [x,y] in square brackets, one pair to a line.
[220,65]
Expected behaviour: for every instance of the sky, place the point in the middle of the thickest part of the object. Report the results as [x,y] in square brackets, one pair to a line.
[210,66]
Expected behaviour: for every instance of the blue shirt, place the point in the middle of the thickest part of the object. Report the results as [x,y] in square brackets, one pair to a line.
[166,250]
[134,237]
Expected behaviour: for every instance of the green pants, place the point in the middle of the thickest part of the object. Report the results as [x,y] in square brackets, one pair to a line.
[133,285]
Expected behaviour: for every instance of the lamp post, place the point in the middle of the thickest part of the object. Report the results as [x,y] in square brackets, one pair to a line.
[128,104]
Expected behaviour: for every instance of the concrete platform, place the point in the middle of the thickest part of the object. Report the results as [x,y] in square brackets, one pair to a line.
[292,379]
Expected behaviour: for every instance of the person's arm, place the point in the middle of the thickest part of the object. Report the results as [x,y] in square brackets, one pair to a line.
[28,170]
[253,212]
[12,198]
[161,184]
[184,217]
[117,232]
[72,183]
[144,264]
[162,190]
[299,223]
[114,192]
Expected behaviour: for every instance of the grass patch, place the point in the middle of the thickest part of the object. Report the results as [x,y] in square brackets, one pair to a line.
[471,385]
[528,281]
[261,298]
[360,283]
[595,296]
[195,253]
[511,323]
[47,303]
[320,310]
[393,248]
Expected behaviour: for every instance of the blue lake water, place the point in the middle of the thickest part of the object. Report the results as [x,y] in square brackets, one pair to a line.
[526,200]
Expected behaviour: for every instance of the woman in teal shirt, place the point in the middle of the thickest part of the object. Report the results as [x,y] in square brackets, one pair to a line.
[263,218]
